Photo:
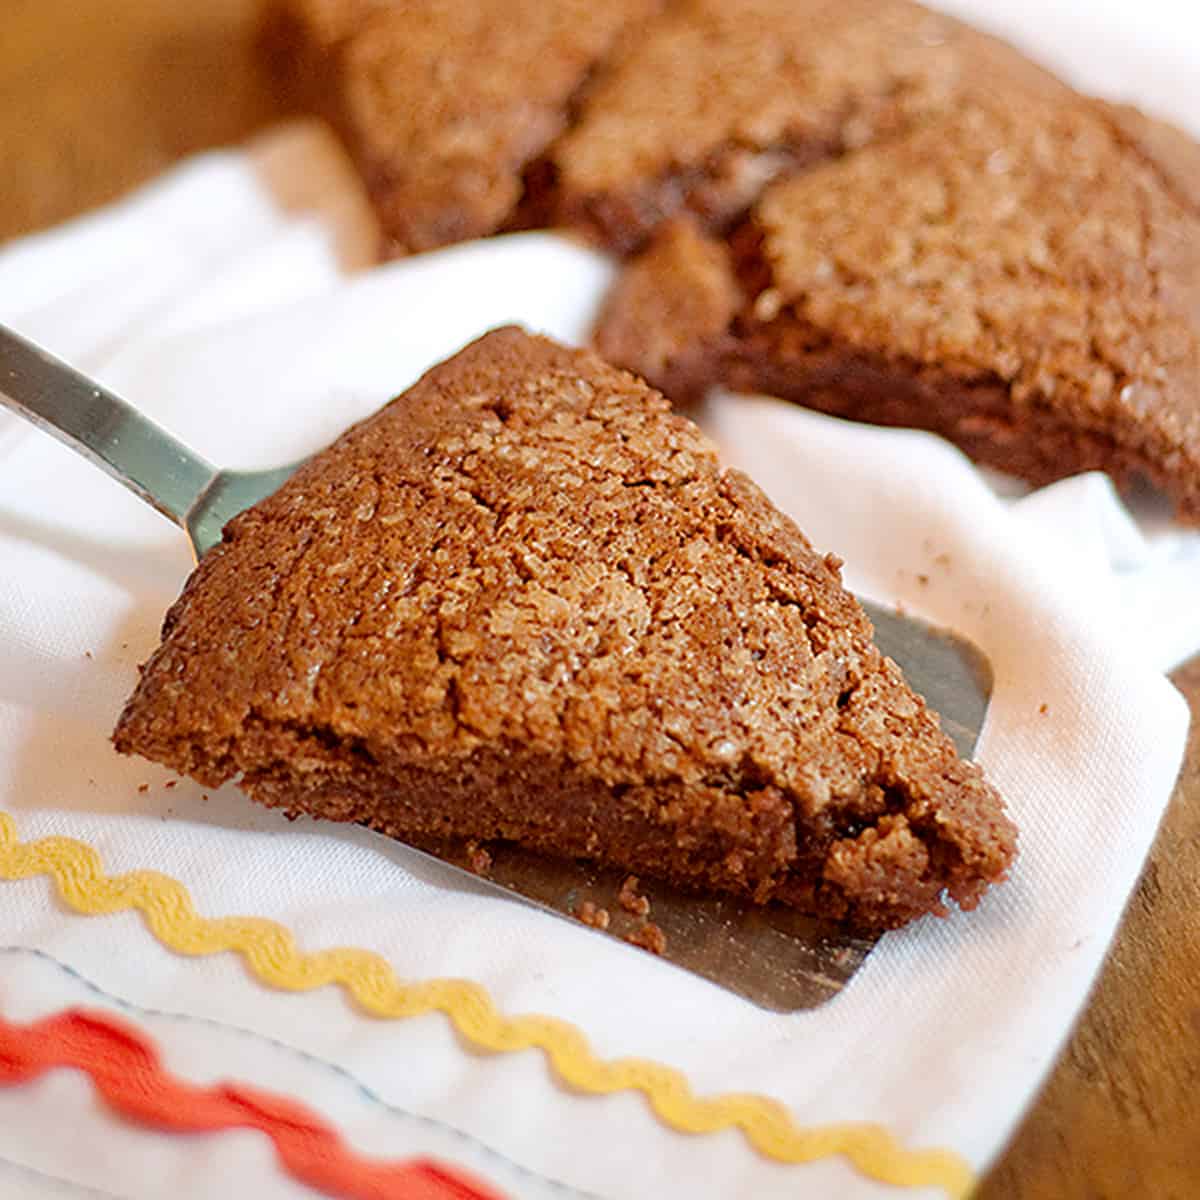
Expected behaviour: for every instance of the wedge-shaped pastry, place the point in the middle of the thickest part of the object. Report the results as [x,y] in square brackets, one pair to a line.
[443,106]
[525,602]
[718,97]
[1022,278]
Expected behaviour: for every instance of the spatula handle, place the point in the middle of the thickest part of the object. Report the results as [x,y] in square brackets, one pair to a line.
[101,426]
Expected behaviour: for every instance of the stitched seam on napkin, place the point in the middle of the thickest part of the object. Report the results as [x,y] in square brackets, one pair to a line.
[269,950]
[59,1182]
[125,1068]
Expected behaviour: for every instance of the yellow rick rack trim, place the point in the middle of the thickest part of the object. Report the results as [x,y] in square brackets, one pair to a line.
[270,951]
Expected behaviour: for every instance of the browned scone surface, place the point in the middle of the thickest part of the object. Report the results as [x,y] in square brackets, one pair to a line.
[525,602]
[719,97]
[1022,278]
[671,311]
[467,117]
[443,106]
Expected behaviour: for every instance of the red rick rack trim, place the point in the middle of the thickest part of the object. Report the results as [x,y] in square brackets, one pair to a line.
[125,1069]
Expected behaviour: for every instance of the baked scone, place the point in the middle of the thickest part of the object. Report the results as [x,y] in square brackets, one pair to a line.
[525,602]
[443,106]
[1021,278]
[718,97]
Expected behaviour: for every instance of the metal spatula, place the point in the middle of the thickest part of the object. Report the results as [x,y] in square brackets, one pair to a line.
[773,956]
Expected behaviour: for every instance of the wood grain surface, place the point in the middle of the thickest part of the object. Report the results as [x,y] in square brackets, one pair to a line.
[98,95]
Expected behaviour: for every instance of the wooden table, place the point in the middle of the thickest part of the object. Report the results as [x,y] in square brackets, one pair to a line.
[97,95]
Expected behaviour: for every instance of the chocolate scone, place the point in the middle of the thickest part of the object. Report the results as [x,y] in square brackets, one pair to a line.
[525,602]
[719,97]
[1023,279]
[442,106]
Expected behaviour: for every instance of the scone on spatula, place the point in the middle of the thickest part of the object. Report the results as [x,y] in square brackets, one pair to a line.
[525,602]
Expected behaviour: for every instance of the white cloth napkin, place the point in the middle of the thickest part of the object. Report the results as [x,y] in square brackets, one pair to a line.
[226,317]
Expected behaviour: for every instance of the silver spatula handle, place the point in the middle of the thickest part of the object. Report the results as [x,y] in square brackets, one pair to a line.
[101,427]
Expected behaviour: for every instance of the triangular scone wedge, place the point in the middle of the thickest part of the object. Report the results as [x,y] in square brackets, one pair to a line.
[1023,278]
[525,602]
